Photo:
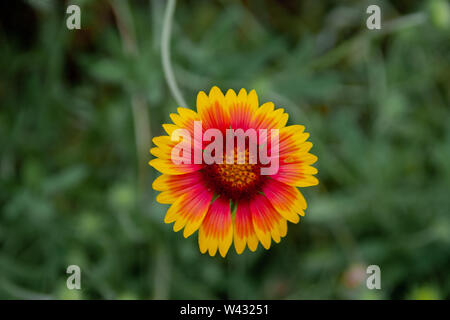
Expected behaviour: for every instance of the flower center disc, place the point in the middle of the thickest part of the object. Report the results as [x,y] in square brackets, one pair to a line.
[234,180]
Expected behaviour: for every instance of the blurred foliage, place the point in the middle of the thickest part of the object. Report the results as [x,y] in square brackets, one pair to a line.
[75,188]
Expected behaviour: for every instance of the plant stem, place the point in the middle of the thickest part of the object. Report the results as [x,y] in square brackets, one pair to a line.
[165,53]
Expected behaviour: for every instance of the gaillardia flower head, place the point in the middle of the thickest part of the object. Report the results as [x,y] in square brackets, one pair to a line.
[231,170]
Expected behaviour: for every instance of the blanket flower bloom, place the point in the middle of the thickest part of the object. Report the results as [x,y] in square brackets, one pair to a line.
[233,200]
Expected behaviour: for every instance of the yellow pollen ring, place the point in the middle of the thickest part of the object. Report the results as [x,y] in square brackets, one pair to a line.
[237,175]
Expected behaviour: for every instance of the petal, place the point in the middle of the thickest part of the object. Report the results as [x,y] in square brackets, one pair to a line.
[185,150]
[266,220]
[216,231]
[163,152]
[303,158]
[189,210]
[266,117]
[185,119]
[212,110]
[241,108]
[161,182]
[175,186]
[287,200]
[170,128]
[168,167]
[244,232]
[296,174]
[166,197]
[292,140]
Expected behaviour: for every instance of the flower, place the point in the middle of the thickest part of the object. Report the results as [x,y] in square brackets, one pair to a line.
[244,196]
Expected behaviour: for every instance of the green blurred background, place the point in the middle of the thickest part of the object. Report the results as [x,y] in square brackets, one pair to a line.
[78,109]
